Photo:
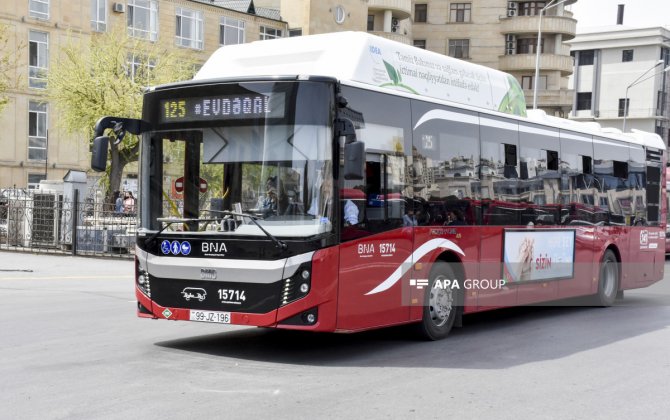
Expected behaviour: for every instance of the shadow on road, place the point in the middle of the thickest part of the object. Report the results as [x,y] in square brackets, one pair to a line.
[492,340]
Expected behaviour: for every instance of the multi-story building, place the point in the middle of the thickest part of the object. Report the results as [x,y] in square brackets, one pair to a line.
[500,34]
[387,18]
[622,78]
[504,35]
[497,33]
[32,146]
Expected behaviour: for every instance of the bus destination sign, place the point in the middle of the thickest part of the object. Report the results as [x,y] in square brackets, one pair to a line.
[223,107]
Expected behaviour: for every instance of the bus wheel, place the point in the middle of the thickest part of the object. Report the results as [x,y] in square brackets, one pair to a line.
[440,303]
[608,284]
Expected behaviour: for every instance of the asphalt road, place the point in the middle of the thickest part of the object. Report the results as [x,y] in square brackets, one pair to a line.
[71,347]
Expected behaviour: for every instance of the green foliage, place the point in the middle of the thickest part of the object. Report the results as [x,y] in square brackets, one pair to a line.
[94,78]
[7,64]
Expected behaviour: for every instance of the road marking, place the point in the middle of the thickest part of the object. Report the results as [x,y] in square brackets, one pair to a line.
[67,277]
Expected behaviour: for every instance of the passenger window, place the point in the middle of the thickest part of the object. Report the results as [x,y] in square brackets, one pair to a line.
[445,169]
[382,198]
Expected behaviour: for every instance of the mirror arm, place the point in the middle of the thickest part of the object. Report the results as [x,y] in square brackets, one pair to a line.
[120,126]
[345,128]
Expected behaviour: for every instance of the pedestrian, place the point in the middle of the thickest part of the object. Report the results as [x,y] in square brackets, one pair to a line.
[129,203]
[118,203]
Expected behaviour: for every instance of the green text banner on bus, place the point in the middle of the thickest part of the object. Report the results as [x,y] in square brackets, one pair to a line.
[364,58]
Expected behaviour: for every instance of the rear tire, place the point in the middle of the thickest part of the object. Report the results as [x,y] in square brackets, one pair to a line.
[608,283]
[441,305]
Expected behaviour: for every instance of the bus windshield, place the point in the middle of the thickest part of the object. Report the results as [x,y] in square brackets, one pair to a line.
[216,175]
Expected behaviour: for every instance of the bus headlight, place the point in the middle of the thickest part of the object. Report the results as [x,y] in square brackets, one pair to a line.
[142,279]
[298,285]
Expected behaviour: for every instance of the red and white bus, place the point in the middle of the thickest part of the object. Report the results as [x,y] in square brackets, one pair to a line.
[351,182]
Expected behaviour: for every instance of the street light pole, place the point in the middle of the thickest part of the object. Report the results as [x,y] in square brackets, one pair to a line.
[537,49]
[636,82]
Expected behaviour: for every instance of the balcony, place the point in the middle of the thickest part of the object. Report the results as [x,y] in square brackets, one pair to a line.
[393,36]
[550,24]
[401,9]
[526,62]
[550,98]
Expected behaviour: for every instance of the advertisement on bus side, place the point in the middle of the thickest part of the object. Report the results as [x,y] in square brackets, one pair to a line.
[536,255]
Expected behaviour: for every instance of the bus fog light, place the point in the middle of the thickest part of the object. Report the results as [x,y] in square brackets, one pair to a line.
[304,288]
[143,278]
[305,274]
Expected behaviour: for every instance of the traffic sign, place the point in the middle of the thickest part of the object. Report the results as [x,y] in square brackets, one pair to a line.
[179,184]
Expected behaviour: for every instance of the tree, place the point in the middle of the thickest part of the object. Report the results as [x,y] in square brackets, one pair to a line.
[107,76]
[8,63]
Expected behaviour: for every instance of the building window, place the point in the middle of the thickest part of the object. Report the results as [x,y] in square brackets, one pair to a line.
[189,28]
[371,22]
[583,101]
[421,13]
[586,57]
[459,48]
[627,55]
[624,107]
[143,19]
[527,83]
[294,32]
[231,31]
[420,43]
[34,180]
[269,33]
[38,59]
[459,12]
[139,67]
[340,14]
[528,46]
[99,15]
[37,130]
[39,9]
[531,8]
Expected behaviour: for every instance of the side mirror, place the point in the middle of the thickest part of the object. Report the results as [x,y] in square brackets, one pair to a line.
[354,160]
[99,153]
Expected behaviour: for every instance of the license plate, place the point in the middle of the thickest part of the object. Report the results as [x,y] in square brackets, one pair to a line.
[210,316]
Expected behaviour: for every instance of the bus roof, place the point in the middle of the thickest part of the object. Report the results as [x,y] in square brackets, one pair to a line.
[369,59]
[639,137]
[359,57]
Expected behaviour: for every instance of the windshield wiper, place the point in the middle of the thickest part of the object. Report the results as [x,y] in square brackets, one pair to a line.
[169,221]
[278,243]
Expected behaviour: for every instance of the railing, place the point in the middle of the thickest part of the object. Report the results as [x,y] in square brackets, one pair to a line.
[48,222]
[550,25]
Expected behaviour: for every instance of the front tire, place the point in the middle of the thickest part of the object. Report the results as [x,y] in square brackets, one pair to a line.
[608,283]
[441,304]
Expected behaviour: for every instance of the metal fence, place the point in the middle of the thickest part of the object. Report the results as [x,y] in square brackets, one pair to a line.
[51,222]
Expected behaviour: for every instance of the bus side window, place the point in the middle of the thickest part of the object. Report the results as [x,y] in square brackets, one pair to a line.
[510,161]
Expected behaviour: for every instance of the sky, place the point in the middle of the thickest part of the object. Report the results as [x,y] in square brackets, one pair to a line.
[637,13]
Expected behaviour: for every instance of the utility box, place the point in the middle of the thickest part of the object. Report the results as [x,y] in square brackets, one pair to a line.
[74,188]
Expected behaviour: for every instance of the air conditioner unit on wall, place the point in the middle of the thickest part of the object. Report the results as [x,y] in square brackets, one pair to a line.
[511,13]
[510,51]
[510,38]
[511,4]
[510,46]
[119,8]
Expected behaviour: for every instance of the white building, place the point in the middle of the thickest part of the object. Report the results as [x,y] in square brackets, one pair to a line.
[619,69]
